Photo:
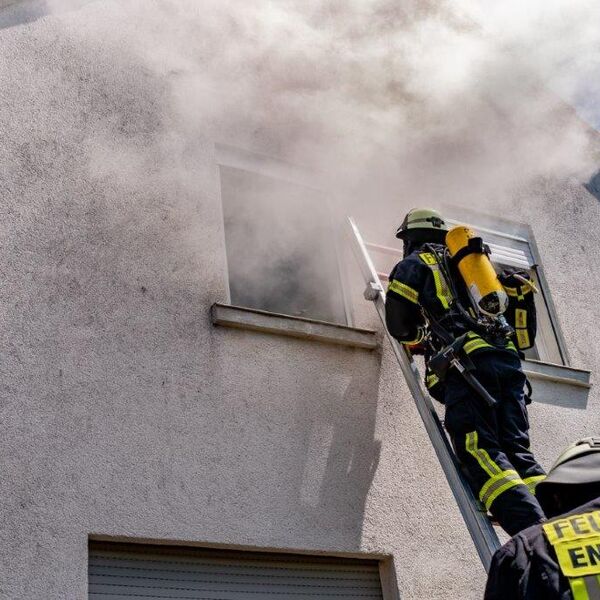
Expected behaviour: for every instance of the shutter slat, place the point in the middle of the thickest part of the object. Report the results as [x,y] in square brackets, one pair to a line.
[514,257]
[147,572]
[203,571]
[229,581]
[228,593]
[125,560]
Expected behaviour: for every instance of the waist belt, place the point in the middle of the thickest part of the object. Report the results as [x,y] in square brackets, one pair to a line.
[450,358]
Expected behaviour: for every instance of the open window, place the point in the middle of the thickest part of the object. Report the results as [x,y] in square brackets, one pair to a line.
[512,246]
[512,250]
[282,254]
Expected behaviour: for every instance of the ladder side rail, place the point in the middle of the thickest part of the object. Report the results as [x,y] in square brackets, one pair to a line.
[481,530]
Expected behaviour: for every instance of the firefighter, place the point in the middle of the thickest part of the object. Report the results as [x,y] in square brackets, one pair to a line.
[425,307]
[559,560]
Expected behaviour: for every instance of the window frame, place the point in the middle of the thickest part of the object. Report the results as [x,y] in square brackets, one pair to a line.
[522,234]
[118,552]
[267,166]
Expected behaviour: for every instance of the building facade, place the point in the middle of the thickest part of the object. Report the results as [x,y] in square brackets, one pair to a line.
[154,392]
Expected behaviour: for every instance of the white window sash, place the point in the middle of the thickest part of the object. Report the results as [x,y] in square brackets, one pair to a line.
[513,251]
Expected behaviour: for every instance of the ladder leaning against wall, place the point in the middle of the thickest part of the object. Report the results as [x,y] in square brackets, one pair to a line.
[479,526]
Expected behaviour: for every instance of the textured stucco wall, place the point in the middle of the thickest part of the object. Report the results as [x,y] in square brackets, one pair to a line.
[125,413]
[564,218]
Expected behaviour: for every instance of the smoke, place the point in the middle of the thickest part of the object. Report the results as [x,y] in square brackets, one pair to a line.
[471,82]
[436,97]
[391,104]
[558,41]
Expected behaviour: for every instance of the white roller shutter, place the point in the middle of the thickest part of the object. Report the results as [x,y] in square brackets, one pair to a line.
[510,250]
[512,257]
[507,249]
[119,572]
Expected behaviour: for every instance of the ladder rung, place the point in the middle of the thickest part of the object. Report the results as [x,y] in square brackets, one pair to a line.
[384,249]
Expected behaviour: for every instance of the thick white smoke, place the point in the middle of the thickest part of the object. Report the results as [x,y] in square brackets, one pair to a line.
[559,41]
[439,92]
[462,97]
[390,103]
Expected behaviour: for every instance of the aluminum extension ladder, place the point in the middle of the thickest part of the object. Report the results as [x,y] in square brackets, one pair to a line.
[479,526]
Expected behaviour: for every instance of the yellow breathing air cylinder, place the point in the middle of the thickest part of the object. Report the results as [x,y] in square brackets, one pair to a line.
[477,272]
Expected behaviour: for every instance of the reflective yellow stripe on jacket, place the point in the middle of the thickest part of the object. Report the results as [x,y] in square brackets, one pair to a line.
[431,380]
[521,328]
[499,480]
[531,482]
[476,342]
[417,340]
[585,588]
[518,293]
[442,289]
[404,290]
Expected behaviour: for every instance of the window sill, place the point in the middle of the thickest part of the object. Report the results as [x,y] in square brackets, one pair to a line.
[251,319]
[536,369]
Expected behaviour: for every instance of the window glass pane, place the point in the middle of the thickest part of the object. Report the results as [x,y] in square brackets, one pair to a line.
[545,342]
[281,251]
[510,248]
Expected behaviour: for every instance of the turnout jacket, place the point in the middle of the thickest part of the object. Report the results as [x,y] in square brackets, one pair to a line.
[530,566]
[418,289]
[413,287]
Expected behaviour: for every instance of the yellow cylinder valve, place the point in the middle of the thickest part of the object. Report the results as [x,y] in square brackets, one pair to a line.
[477,271]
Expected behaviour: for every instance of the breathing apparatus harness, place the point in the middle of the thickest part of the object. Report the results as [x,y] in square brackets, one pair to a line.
[493,329]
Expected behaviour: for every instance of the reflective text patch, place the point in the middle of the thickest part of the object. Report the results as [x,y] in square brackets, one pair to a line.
[579,558]
[575,527]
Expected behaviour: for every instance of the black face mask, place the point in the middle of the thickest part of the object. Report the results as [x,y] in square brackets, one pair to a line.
[411,245]
[563,498]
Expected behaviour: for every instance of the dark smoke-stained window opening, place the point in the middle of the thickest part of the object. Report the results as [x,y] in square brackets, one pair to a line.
[281,251]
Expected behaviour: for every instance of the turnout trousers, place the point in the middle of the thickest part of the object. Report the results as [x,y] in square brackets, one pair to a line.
[492,443]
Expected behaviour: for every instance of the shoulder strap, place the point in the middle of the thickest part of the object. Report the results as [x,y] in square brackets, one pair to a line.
[474,246]
[442,289]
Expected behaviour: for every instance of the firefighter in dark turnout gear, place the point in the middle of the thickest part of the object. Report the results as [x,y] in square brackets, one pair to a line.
[423,307]
[560,559]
